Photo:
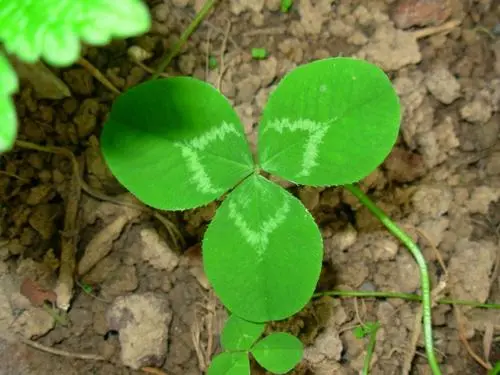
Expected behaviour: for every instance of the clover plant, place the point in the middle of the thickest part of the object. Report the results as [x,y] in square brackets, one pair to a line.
[177,143]
[52,30]
[278,352]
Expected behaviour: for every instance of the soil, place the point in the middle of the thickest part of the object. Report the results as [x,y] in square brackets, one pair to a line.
[150,305]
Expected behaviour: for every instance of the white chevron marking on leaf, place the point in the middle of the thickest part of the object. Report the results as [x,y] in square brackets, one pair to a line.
[259,237]
[316,133]
[192,149]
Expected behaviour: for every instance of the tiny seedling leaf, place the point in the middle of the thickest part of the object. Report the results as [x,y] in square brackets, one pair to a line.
[175,143]
[259,53]
[495,370]
[367,329]
[261,246]
[8,117]
[278,352]
[228,363]
[329,122]
[87,288]
[286,5]
[359,332]
[212,62]
[240,334]
[52,29]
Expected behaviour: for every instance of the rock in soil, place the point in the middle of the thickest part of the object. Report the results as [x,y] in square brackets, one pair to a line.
[468,256]
[156,251]
[443,85]
[142,321]
[408,13]
[391,49]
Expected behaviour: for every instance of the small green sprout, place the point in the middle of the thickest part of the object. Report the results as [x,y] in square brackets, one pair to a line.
[368,328]
[53,30]
[212,62]
[286,5]
[495,370]
[278,352]
[87,288]
[259,53]
[330,122]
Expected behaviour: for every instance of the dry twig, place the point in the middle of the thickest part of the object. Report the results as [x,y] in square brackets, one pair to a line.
[432,30]
[222,59]
[207,56]
[489,330]
[98,75]
[172,230]
[5,173]
[212,302]
[152,370]
[64,288]
[195,337]
[147,69]
[266,31]
[463,339]
[60,352]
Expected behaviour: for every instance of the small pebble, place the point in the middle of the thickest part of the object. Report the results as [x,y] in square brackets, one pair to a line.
[408,13]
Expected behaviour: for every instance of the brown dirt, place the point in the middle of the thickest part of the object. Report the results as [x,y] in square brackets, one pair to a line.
[443,179]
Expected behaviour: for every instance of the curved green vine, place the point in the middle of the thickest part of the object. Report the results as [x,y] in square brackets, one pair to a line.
[424,274]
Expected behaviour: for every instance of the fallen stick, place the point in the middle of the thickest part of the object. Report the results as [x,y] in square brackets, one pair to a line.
[60,352]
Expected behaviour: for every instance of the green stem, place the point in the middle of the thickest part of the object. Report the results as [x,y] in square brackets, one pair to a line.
[184,37]
[405,296]
[371,348]
[424,275]
[495,370]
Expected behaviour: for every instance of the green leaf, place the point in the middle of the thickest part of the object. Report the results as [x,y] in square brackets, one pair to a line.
[359,332]
[367,329]
[86,287]
[212,62]
[8,77]
[262,252]
[495,370]
[329,122]
[370,327]
[259,53]
[175,143]
[278,352]
[8,117]
[52,29]
[8,121]
[240,334]
[286,5]
[230,364]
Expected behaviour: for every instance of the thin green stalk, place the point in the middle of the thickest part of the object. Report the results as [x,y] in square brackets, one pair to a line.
[184,37]
[495,370]
[371,348]
[424,274]
[405,296]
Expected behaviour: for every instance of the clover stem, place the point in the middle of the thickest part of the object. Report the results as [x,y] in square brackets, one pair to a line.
[419,258]
[495,370]
[200,16]
[404,296]
[371,348]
